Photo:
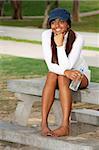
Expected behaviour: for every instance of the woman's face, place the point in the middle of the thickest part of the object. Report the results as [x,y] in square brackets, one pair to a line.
[59,26]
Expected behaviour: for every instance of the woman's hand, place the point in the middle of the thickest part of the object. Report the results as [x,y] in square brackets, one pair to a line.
[59,38]
[73,74]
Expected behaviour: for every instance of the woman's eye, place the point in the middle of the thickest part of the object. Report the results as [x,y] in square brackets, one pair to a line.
[61,21]
[52,22]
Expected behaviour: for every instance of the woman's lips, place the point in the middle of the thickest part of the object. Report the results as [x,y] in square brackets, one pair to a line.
[57,30]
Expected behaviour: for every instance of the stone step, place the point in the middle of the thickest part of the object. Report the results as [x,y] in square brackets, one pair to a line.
[32,137]
[86,115]
[35,87]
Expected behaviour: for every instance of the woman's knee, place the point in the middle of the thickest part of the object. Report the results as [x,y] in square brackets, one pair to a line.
[62,80]
[52,76]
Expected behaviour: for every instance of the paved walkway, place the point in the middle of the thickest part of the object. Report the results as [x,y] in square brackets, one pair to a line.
[89,13]
[21,49]
[91,39]
[35,51]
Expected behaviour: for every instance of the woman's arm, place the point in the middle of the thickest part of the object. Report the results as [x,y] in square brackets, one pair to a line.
[46,37]
[68,62]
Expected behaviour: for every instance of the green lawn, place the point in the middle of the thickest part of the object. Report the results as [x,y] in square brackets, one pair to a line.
[29,8]
[21,67]
[85,5]
[22,23]
[18,67]
[88,24]
[36,8]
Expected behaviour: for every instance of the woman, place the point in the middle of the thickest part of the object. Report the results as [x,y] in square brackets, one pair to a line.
[62,54]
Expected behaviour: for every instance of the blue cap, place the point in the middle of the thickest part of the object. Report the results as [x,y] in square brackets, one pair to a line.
[59,13]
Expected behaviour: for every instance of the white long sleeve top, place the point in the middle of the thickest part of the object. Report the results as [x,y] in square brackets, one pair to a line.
[73,61]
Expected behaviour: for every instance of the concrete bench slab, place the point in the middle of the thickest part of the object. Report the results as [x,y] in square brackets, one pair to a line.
[32,137]
[35,86]
[86,115]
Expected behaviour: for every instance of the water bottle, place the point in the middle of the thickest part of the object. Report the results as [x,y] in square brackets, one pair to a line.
[75,83]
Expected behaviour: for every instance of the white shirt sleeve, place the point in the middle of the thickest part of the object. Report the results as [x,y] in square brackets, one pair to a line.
[67,63]
[46,45]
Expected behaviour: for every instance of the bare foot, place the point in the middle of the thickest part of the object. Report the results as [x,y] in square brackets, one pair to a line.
[46,132]
[61,131]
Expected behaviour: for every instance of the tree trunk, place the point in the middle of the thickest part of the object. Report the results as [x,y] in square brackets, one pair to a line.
[56,3]
[49,4]
[75,12]
[17,14]
[1,8]
[48,7]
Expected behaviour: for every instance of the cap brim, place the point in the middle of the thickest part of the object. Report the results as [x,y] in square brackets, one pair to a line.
[56,17]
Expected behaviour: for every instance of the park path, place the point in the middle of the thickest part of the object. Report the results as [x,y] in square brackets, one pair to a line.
[91,39]
[35,51]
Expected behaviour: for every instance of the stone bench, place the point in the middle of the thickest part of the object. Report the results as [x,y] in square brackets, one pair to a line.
[28,91]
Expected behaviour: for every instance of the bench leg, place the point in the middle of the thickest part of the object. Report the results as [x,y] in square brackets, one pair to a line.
[57,112]
[23,109]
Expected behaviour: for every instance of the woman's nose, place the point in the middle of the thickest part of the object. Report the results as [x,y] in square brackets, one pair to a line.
[57,24]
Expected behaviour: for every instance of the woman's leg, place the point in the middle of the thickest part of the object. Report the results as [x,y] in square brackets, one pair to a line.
[84,82]
[47,100]
[66,104]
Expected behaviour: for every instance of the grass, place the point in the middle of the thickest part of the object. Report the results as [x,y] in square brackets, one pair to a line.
[22,23]
[21,67]
[89,5]
[94,74]
[19,40]
[27,68]
[85,6]
[88,24]
[28,7]
[91,48]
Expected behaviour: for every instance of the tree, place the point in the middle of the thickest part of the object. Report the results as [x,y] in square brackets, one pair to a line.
[75,11]
[1,8]
[49,5]
[17,11]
